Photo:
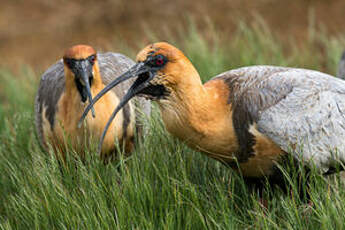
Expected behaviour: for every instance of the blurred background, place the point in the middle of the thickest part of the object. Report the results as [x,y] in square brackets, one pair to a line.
[190,190]
[36,32]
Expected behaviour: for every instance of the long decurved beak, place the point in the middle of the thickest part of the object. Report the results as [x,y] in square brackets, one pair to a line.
[137,69]
[85,78]
[139,84]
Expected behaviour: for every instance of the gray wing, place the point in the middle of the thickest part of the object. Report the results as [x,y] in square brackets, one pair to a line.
[294,107]
[341,67]
[50,89]
[111,66]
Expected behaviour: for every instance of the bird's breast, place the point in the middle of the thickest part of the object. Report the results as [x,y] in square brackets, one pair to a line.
[224,147]
[70,109]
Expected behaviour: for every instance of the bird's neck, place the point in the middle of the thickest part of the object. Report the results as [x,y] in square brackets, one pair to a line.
[195,111]
[71,108]
[71,88]
[72,101]
[97,84]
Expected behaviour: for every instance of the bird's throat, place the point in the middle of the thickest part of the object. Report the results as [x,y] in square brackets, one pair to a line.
[201,117]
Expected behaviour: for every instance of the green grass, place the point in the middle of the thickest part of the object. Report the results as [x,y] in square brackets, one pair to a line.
[164,184]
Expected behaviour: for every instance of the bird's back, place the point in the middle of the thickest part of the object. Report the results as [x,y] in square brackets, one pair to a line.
[293,107]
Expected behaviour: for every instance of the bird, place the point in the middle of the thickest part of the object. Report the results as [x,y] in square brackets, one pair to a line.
[251,118]
[67,87]
[341,67]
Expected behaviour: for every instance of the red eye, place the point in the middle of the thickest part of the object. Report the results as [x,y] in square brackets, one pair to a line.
[159,61]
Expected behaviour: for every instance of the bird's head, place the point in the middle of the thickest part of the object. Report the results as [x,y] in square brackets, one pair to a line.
[79,62]
[160,71]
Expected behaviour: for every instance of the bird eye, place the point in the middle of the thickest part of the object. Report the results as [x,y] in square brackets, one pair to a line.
[92,59]
[69,62]
[158,60]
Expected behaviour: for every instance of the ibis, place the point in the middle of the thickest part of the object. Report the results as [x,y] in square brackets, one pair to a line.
[250,118]
[65,90]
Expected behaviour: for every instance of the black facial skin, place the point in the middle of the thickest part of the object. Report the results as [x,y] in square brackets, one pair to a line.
[145,72]
[156,91]
[82,69]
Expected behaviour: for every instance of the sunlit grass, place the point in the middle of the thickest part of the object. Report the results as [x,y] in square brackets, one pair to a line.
[164,184]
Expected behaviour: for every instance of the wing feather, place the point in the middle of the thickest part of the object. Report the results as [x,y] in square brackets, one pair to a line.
[294,108]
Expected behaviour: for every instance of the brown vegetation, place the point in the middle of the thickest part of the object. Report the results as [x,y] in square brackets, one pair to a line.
[37,31]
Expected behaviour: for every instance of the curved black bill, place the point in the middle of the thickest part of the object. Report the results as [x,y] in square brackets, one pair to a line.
[132,72]
[85,78]
[137,86]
